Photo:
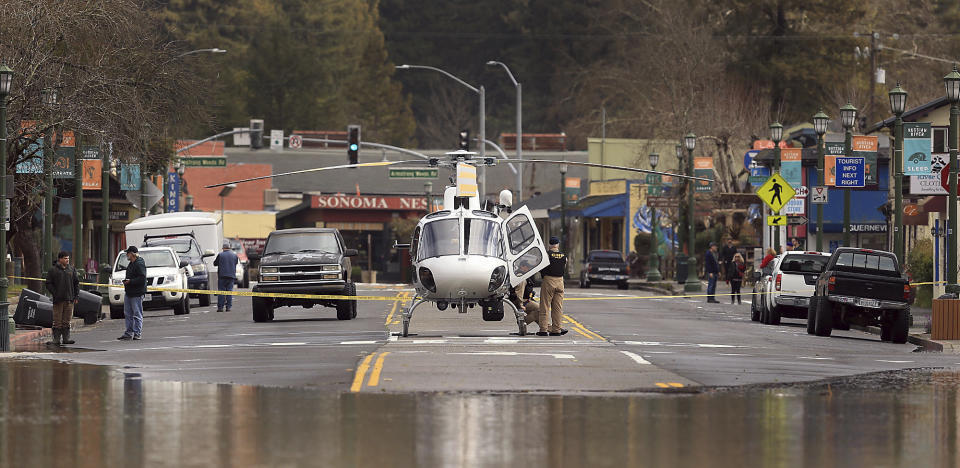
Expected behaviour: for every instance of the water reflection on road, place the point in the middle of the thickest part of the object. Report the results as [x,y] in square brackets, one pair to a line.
[52,413]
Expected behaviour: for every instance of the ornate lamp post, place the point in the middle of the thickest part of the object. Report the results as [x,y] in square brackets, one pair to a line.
[952,84]
[693,282]
[898,103]
[820,121]
[6,78]
[848,115]
[563,208]
[653,272]
[776,134]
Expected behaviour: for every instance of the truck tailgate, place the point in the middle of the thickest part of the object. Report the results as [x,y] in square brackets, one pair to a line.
[798,284]
[887,288]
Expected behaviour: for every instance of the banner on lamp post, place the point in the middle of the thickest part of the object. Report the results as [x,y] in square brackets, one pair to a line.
[790,166]
[917,159]
[866,147]
[703,167]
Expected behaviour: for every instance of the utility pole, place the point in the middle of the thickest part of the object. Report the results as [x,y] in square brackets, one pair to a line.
[78,205]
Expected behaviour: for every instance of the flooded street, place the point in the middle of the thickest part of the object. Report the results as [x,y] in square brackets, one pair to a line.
[94,416]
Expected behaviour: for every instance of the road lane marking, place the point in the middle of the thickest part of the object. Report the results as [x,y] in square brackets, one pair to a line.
[361,373]
[675,384]
[636,358]
[377,368]
[428,341]
[816,358]
[588,331]
[680,345]
[662,385]
[893,362]
[212,346]
[357,342]
[288,344]
[514,353]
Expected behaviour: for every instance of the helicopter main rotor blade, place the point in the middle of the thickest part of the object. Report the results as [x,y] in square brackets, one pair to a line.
[603,166]
[317,169]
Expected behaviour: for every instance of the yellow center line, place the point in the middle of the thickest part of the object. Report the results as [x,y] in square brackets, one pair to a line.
[377,368]
[662,385]
[400,299]
[578,330]
[584,327]
[361,373]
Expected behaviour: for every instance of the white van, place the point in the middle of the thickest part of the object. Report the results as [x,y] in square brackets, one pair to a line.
[207,229]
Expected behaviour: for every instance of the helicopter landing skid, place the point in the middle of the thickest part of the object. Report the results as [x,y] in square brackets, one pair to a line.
[408,314]
[521,318]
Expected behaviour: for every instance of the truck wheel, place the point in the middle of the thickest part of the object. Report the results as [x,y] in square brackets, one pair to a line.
[900,327]
[346,309]
[182,307]
[885,329]
[116,312]
[754,311]
[262,309]
[623,285]
[204,300]
[823,322]
[246,279]
[586,285]
[812,313]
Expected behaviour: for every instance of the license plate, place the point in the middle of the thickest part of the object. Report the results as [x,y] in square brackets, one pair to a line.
[147,297]
[609,277]
[869,303]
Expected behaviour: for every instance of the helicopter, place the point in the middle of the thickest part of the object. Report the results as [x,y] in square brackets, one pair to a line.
[471,253]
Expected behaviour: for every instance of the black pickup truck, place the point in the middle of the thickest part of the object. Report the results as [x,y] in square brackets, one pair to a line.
[604,266]
[863,287]
[308,261]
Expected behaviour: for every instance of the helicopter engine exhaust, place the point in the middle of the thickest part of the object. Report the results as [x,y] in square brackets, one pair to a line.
[441,305]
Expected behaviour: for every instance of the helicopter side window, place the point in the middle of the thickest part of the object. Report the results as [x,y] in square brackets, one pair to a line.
[440,238]
[414,242]
[527,262]
[482,237]
[520,234]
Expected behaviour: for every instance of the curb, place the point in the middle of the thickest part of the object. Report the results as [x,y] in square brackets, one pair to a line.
[926,343]
[28,337]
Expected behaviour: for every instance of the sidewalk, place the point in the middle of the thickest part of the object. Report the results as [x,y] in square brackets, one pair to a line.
[27,338]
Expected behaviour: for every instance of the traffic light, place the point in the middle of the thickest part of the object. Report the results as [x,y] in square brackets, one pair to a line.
[256,133]
[464,140]
[353,143]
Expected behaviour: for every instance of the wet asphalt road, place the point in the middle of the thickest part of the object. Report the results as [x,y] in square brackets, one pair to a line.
[619,340]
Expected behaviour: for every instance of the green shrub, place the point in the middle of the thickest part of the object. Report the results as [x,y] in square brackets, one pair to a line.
[920,266]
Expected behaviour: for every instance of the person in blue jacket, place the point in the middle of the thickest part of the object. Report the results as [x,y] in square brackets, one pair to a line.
[712,268]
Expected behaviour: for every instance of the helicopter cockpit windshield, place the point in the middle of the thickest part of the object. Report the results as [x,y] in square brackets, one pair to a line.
[439,238]
[482,237]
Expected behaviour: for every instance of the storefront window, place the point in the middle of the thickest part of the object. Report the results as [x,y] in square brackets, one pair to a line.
[482,237]
[440,238]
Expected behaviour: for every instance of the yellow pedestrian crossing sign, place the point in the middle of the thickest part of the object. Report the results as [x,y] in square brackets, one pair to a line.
[776,192]
[778,220]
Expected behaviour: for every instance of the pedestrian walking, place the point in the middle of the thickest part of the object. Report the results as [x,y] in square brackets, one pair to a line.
[726,256]
[63,283]
[522,296]
[134,287]
[735,275]
[712,269]
[551,291]
[226,263]
[771,254]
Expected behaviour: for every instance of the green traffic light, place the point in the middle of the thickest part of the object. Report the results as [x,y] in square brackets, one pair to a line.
[354,147]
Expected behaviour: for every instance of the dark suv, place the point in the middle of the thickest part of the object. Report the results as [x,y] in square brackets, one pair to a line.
[189,250]
[305,261]
[604,267]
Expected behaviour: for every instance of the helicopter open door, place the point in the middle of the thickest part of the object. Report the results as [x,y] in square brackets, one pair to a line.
[525,253]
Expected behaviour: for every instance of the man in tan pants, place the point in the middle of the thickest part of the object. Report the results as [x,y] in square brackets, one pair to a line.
[522,297]
[551,291]
[63,283]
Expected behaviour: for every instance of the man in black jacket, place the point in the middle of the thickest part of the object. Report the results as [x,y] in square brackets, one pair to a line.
[134,287]
[712,269]
[64,287]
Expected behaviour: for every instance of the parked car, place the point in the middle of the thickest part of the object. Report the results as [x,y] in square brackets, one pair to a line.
[164,269]
[187,248]
[864,287]
[604,267]
[305,261]
[790,285]
[243,263]
[761,283]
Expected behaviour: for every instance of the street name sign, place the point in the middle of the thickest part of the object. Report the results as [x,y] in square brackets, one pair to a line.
[850,172]
[776,192]
[818,196]
[216,161]
[778,220]
[662,202]
[412,173]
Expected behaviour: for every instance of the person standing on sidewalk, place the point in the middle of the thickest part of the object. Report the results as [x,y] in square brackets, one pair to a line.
[551,291]
[226,263]
[64,286]
[726,257]
[134,287]
[712,269]
[735,276]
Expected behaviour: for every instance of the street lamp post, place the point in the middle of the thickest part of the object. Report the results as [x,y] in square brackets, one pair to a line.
[6,77]
[820,121]
[144,174]
[519,88]
[483,129]
[952,84]
[693,281]
[50,99]
[898,103]
[653,272]
[848,115]
[563,208]
[677,241]
[105,213]
[223,196]
[776,134]
[180,170]
[428,191]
